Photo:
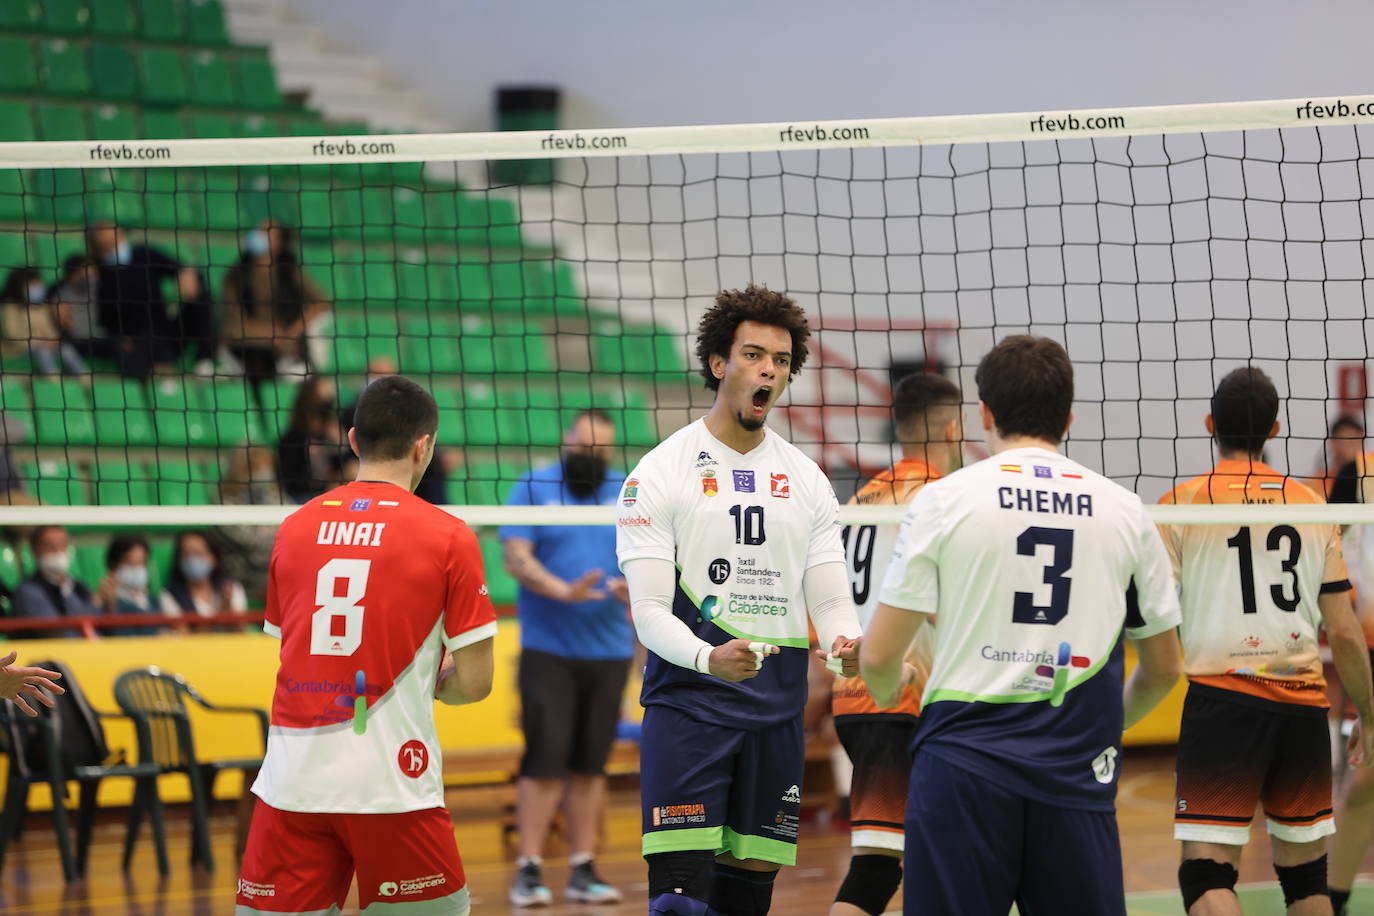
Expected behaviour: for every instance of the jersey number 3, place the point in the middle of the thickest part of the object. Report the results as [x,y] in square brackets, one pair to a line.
[337,627]
[1023,607]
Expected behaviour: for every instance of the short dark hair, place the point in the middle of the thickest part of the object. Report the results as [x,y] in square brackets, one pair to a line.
[119,548]
[36,534]
[917,394]
[391,414]
[716,332]
[175,576]
[1347,420]
[1244,409]
[1027,383]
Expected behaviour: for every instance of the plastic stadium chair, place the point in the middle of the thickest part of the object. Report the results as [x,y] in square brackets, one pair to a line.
[162,20]
[62,412]
[16,122]
[205,23]
[113,122]
[18,73]
[236,423]
[157,702]
[66,16]
[121,483]
[211,125]
[62,68]
[113,17]
[258,85]
[164,125]
[162,76]
[181,483]
[114,74]
[67,744]
[15,402]
[21,15]
[55,482]
[122,414]
[179,413]
[62,122]
[212,84]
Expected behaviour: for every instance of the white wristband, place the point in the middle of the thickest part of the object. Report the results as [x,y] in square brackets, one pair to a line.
[703,667]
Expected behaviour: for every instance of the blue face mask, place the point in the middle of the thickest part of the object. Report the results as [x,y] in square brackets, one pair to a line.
[123,253]
[196,569]
[256,243]
[36,292]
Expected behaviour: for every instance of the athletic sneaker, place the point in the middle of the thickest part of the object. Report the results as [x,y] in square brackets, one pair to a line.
[585,886]
[529,889]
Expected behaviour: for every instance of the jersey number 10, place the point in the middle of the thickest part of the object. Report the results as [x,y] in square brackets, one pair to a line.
[337,627]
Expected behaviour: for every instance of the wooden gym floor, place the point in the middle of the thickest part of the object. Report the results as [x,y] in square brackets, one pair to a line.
[32,880]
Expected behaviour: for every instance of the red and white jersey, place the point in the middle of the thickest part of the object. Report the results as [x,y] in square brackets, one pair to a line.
[368,584]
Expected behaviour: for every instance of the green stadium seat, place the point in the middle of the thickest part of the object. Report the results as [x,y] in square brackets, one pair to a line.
[431,346]
[297,126]
[255,125]
[479,415]
[276,399]
[482,485]
[162,76]
[160,551]
[114,18]
[349,349]
[412,282]
[518,347]
[212,83]
[236,423]
[257,85]
[120,483]
[181,482]
[442,282]
[62,68]
[88,563]
[16,122]
[20,15]
[10,574]
[18,72]
[475,345]
[205,23]
[161,124]
[16,402]
[379,281]
[162,20]
[70,17]
[114,73]
[55,482]
[62,122]
[12,199]
[62,412]
[211,125]
[113,122]
[179,413]
[122,415]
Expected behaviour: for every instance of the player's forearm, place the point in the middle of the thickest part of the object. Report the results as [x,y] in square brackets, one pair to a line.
[830,603]
[651,607]
[526,569]
[1144,691]
[1351,657]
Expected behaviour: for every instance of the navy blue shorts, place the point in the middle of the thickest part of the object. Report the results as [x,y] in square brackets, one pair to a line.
[973,849]
[705,786]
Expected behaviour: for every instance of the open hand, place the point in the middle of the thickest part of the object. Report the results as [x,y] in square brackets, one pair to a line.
[18,683]
[1361,746]
[584,588]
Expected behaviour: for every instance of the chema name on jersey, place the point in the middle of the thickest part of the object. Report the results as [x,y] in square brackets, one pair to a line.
[351,534]
[1052,502]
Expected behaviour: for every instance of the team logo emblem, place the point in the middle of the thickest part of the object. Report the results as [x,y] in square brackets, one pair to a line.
[360,505]
[631,493]
[710,607]
[704,460]
[1104,766]
[719,570]
[744,481]
[792,795]
[388,889]
[413,759]
[1042,471]
[709,486]
[781,488]
[1252,641]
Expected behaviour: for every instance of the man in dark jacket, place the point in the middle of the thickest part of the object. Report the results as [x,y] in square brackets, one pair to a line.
[51,592]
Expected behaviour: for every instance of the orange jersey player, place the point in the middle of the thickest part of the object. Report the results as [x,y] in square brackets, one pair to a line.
[878,740]
[381,606]
[1254,730]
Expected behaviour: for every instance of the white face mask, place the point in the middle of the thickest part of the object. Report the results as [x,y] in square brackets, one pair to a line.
[55,565]
[123,253]
[36,292]
[257,244]
[133,578]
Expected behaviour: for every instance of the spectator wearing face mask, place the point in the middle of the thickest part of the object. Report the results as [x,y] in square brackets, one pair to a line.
[124,590]
[73,300]
[199,583]
[308,454]
[134,313]
[272,309]
[576,644]
[29,322]
[51,592]
[250,479]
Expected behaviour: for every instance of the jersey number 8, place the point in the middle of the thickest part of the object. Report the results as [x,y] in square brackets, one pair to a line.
[337,627]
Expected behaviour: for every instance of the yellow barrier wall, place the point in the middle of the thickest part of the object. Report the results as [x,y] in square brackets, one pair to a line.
[239,669]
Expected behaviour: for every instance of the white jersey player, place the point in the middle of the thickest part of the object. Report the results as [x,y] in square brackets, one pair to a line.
[729,540]
[1035,565]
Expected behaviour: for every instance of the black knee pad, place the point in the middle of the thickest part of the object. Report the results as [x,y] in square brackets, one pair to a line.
[871,882]
[1299,881]
[740,892]
[1198,876]
[687,873]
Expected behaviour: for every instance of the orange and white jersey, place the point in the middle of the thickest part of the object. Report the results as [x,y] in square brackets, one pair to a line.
[867,552]
[1249,592]
[1358,541]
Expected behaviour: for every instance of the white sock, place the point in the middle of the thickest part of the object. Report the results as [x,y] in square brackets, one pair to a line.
[537,861]
[580,858]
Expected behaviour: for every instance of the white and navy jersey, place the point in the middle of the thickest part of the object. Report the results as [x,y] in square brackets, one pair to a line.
[1034,565]
[742,531]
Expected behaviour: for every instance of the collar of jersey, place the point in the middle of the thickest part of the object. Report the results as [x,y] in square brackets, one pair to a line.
[752,454]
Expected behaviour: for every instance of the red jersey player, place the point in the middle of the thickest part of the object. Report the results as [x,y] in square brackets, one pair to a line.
[369,589]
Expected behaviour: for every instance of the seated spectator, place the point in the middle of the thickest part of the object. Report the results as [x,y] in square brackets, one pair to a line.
[124,590]
[308,455]
[433,487]
[51,592]
[12,489]
[249,479]
[73,299]
[198,582]
[29,323]
[272,308]
[134,314]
